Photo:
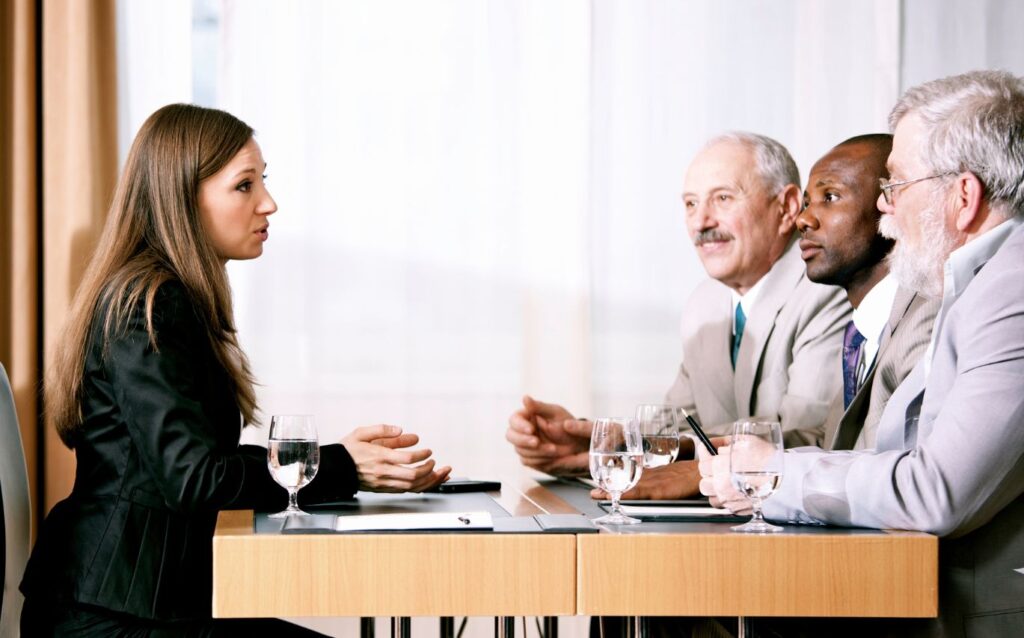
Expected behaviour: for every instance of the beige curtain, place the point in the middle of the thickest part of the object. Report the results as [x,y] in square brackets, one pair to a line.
[79,146]
[58,164]
[19,226]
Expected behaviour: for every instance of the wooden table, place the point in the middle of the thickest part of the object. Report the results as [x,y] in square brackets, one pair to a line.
[704,571]
[267,575]
[722,574]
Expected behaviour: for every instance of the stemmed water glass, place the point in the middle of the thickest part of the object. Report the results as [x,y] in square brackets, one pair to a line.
[293,456]
[660,432]
[756,466]
[616,461]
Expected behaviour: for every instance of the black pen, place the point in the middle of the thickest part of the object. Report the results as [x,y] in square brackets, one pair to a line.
[699,432]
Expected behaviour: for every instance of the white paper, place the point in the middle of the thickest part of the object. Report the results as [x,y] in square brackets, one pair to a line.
[413,521]
[661,511]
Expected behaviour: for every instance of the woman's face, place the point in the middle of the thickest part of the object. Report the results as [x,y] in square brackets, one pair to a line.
[234,205]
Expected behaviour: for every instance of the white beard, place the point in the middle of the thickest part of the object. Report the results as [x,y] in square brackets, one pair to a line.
[919,268]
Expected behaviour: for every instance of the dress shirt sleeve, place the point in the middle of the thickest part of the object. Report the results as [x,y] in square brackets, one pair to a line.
[157,391]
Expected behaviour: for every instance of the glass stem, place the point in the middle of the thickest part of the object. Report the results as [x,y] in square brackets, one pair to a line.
[293,500]
[756,504]
[615,503]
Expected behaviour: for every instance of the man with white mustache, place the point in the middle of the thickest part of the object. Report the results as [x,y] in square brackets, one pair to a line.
[759,338]
[950,443]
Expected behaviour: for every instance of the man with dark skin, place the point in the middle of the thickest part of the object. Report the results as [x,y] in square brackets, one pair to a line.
[839,223]
[841,246]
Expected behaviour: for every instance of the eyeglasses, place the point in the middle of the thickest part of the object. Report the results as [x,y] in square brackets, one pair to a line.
[888,187]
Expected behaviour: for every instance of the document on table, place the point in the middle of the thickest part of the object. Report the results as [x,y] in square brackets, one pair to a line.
[675,511]
[414,521]
[403,522]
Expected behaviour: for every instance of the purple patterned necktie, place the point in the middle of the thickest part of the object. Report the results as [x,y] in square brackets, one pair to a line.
[852,352]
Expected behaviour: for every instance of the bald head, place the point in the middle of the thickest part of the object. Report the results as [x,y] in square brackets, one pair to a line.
[873,150]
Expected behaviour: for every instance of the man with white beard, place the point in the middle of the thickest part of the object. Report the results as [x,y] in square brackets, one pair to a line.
[950,444]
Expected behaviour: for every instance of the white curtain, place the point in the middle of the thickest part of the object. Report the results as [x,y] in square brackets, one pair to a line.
[481,199]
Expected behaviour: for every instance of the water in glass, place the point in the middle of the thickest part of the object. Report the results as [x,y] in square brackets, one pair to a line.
[616,461]
[756,464]
[293,457]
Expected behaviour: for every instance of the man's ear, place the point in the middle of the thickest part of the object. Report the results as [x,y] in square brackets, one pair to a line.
[789,202]
[968,197]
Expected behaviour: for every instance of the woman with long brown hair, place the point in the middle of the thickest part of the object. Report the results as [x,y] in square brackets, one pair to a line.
[150,388]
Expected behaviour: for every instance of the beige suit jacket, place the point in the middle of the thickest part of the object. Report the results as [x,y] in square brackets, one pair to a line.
[786,364]
[904,341]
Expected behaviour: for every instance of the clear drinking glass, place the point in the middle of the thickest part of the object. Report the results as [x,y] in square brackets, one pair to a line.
[755,467]
[659,430]
[293,456]
[616,461]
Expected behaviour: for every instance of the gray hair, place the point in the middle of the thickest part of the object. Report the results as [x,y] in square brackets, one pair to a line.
[774,163]
[974,123]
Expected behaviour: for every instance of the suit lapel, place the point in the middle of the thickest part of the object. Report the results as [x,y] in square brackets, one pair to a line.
[853,419]
[900,304]
[778,285]
[714,350]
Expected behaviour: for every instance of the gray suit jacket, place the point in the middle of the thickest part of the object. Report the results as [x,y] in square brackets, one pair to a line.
[904,341]
[786,364]
[957,469]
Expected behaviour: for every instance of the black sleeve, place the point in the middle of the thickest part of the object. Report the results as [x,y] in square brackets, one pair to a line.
[169,421]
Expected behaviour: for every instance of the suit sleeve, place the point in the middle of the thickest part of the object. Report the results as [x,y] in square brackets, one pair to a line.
[815,372]
[156,391]
[680,394]
[967,463]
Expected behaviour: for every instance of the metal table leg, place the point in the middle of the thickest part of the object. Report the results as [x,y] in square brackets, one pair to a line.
[550,625]
[401,627]
[504,627]
[367,627]
[447,627]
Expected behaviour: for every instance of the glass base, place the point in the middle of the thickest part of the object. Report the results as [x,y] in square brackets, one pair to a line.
[757,527]
[616,519]
[288,512]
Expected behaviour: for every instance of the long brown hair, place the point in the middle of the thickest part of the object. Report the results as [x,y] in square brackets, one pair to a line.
[153,234]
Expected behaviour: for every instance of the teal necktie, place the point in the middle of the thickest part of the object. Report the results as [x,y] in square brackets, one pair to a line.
[741,322]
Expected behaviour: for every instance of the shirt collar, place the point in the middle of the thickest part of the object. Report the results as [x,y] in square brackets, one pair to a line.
[873,312]
[748,300]
[965,262]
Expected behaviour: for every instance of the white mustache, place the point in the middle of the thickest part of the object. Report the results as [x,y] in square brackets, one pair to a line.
[888,228]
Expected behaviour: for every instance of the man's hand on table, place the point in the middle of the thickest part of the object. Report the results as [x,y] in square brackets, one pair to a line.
[548,438]
[673,481]
[715,482]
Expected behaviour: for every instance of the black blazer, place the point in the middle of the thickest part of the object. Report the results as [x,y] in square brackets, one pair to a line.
[158,457]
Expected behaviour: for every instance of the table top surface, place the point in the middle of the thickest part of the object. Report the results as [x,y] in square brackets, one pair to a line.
[623,570]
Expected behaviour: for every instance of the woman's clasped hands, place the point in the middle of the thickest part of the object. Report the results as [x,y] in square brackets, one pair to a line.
[384,464]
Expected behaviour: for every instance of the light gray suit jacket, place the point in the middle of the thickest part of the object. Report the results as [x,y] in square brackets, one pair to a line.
[786,364]
[904,341]
[958,470]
